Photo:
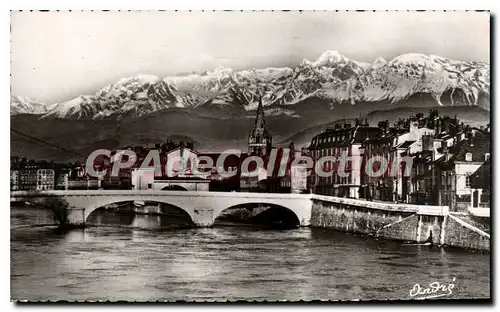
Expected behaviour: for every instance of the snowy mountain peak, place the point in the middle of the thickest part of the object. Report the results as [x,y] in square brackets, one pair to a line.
[24,105]
[139,79]
[379,62]
[329,58]
[331,76]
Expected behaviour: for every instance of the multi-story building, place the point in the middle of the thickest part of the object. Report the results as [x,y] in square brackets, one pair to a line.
[45,178]
[480,185]
[32,176]
[14,179]
[455,166]
[342,139]
[413,141]
[379,147]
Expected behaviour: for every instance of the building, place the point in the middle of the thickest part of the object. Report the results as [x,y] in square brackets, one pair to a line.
[176,172]
[443,152]
[142,178]
[179,173]
[223,183]
[298,179]
[480,186]
[259,139]
[30,175]
[342,139]
[377,147]
[456,164]
[413,140]
[14,179]
[45,178]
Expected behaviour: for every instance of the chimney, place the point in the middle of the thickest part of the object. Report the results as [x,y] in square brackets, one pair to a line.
[444,144]
[291,146]
[413,126]
[427,142]
[470,136]
[437,126]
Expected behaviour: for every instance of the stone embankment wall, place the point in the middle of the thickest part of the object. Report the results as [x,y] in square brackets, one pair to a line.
[409,223]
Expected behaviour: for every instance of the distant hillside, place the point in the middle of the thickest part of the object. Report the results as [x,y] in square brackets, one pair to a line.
[211,129]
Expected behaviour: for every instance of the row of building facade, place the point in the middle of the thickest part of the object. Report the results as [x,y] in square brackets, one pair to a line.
[446,159]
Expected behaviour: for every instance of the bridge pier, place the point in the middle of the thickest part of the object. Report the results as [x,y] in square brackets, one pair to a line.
[75,216]
[204,217]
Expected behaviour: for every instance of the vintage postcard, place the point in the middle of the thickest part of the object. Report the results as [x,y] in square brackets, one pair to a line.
[250,156]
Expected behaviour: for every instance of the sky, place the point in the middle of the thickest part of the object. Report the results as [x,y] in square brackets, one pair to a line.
[56,56]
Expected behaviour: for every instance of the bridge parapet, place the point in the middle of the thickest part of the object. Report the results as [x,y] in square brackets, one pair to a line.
[418,209]
[202,207]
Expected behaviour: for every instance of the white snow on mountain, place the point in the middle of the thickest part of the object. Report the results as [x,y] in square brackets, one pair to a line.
[24,105]
[332,76]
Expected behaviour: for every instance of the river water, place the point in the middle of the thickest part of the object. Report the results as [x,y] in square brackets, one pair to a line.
[139,258]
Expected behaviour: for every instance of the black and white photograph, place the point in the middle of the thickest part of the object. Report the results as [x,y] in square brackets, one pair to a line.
[250,156]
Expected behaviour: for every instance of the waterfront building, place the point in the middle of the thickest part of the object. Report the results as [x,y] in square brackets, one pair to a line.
[142,178]
[45,178]
[377,186]
[219,182]
[453,170]
[180,162]
[480,186]
[342,138]
[32,175]
[14,179]
[413,139]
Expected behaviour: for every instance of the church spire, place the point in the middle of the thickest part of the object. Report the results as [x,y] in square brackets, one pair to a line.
[259,119]
[259,139]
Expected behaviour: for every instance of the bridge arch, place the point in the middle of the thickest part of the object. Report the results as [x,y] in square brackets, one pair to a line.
[170,211]
[93,203]
[174,187]
[264,213]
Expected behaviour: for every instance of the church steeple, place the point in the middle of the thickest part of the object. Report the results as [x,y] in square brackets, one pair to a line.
[259,139]
[259,119]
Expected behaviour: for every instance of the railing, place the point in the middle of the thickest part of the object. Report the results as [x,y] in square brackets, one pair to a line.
[418,209]
[21,194]
[479,212]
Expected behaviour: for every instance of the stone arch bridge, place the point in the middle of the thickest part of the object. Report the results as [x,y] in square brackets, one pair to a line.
[202,207]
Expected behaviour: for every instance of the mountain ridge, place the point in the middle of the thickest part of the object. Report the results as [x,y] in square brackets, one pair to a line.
[332,77]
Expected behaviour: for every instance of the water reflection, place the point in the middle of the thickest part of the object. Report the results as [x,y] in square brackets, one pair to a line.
[140,257]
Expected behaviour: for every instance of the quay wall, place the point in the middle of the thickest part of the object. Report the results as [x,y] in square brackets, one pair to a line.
[409,223]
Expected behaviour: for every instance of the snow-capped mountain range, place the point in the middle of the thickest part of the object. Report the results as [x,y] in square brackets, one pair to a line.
[332,76]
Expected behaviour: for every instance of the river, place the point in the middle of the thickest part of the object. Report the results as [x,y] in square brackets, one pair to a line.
[140,258]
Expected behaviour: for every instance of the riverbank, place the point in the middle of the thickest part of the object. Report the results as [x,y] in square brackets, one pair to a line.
[407,223]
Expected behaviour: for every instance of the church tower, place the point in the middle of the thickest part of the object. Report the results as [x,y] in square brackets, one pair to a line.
[259,139]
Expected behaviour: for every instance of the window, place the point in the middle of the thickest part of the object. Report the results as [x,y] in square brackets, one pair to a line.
[468,157]
[486,156]
[467,181]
